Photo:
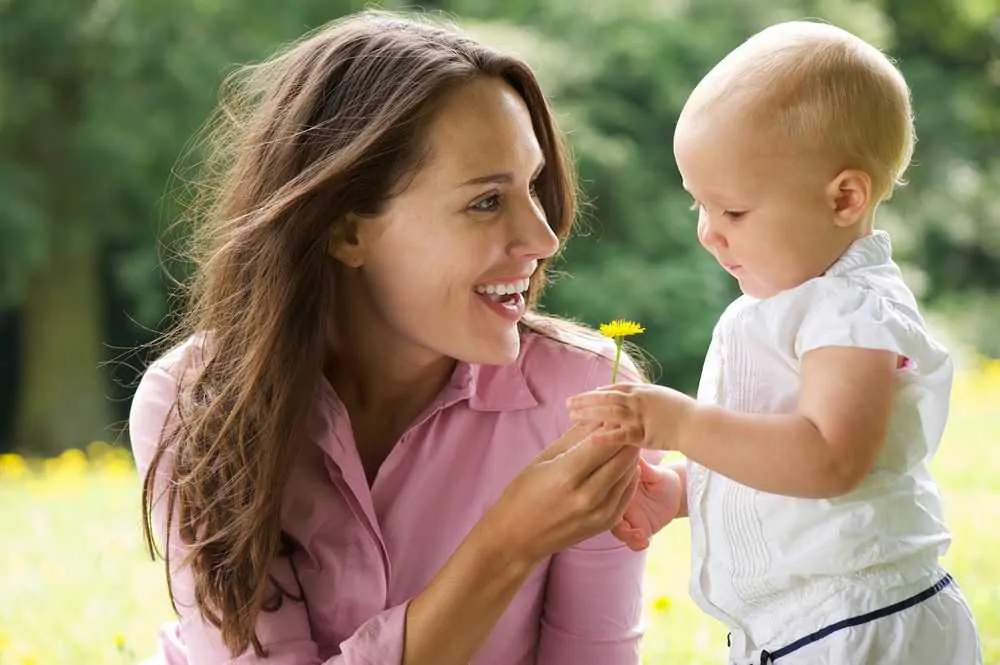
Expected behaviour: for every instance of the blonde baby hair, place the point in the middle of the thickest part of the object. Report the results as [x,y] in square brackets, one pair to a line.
[814,86]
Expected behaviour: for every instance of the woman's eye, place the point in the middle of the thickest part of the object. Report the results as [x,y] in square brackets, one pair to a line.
[487,204]
[533,189]
[735,215]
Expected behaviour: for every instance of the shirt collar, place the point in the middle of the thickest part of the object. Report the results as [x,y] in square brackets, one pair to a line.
[871,250]
[488,388]
[497,387]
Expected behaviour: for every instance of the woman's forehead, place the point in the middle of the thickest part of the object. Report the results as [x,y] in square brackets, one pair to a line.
[482,128]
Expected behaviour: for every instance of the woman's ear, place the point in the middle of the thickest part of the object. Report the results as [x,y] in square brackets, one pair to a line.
[849,197]
[345,242]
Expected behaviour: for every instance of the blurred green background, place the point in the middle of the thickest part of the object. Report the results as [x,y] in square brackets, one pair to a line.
[99,100]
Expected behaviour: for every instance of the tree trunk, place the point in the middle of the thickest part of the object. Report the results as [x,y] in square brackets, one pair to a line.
[63,397]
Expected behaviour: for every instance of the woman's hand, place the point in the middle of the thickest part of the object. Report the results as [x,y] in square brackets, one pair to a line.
[573,490]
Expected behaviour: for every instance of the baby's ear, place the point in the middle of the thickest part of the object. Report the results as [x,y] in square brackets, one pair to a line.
[849,196]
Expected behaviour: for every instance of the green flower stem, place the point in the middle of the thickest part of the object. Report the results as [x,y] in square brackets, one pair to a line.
[618,357]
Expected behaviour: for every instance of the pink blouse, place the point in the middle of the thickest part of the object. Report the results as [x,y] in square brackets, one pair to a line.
[365,552]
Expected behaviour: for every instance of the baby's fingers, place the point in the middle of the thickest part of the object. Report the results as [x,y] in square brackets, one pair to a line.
[599,413]
[633,538]
[599,397]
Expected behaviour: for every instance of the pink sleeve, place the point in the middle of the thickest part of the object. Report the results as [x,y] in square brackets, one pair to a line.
[285,633]
[593,605]
[593,597]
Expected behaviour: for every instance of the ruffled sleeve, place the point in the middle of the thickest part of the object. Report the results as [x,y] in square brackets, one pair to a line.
[844,314]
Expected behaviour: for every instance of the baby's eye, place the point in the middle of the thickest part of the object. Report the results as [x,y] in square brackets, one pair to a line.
[487,204]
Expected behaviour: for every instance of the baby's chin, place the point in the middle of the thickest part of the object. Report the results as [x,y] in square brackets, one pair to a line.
[751,288]
[754,289]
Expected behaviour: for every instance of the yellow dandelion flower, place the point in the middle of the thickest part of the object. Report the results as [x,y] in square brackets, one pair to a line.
[661,604]
[621,328]
[618,330]
[120,642]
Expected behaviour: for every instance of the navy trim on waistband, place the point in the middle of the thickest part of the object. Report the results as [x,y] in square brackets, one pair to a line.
[767,657]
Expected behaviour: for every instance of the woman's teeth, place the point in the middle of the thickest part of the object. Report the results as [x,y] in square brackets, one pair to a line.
[506,289]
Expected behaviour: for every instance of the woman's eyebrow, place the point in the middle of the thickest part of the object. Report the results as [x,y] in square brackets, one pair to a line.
[493,178]
[504,178]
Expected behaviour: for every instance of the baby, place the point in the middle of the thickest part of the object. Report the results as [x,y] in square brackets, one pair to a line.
[816,529]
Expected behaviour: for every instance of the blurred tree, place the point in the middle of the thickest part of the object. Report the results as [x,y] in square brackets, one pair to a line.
[620,73]
[948,219]
[97,100]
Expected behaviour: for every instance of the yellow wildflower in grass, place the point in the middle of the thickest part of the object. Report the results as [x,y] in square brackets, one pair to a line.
[12,466]
[978,388]
[618,330]
[661,604]
[70,463]
[113,461]
[98,450]
[120,642]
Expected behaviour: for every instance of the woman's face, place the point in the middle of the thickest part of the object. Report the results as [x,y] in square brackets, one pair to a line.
[444,269]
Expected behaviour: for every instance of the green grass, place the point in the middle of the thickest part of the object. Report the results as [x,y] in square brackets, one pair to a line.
[76,586]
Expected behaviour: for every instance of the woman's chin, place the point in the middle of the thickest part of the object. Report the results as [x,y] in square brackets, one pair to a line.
[502,350]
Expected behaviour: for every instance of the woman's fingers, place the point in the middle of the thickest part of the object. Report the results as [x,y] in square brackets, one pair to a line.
[606,464]
[585,459]
[606,493]
[622,435]
[621,495]
[567,441]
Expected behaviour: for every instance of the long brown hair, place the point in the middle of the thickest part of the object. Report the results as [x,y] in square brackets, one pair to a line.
[330,125]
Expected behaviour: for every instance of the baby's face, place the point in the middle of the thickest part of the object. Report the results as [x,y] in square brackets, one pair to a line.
[764,212]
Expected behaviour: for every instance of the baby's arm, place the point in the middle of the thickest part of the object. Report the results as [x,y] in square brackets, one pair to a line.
[822,450]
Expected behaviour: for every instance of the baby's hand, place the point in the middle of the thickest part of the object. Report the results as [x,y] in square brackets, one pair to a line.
[654,505]
[633,414]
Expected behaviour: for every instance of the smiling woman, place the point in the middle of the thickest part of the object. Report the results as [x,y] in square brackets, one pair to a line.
[423,261]
[348,452]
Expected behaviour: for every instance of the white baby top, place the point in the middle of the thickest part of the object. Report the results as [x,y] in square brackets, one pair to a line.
[764,562]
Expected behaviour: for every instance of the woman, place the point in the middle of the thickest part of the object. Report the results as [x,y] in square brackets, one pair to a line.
[346,452]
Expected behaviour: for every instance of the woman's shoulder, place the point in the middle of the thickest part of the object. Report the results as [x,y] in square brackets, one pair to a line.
[156,395]
[182,356]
